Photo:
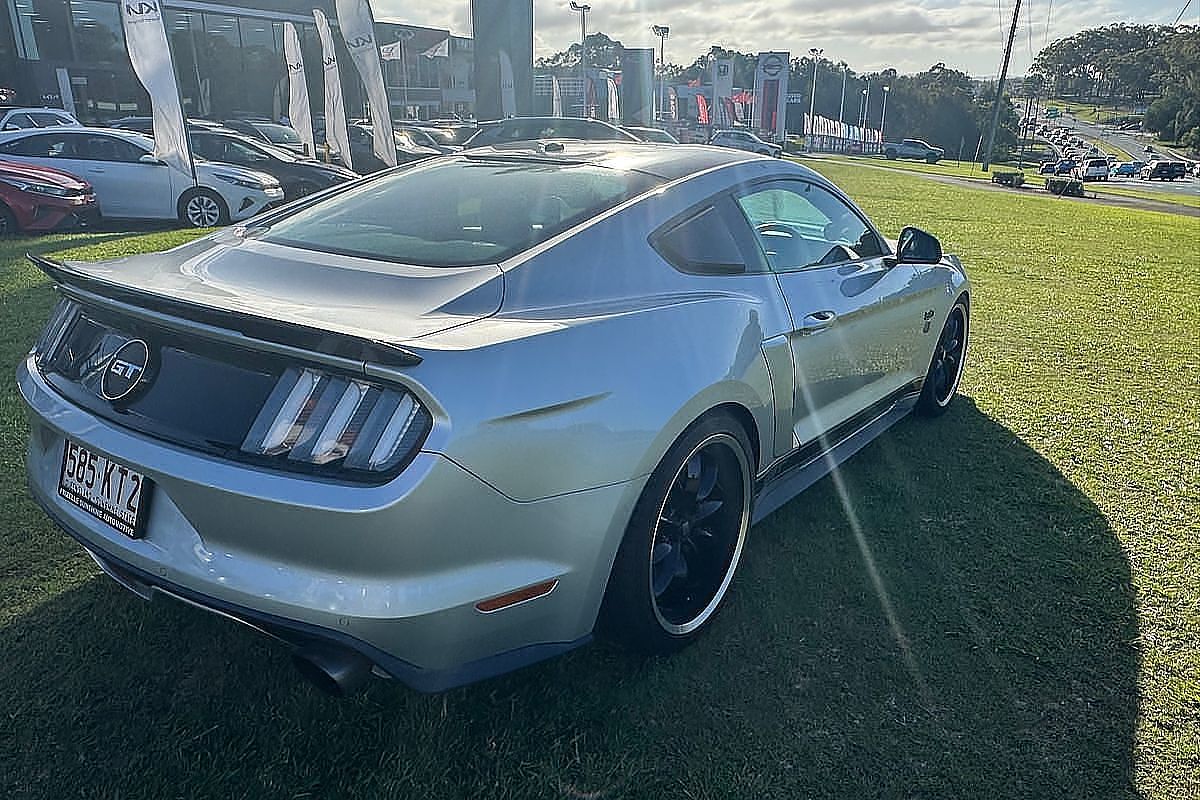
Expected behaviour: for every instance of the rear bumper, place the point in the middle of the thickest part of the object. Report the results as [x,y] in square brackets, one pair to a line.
[393,572]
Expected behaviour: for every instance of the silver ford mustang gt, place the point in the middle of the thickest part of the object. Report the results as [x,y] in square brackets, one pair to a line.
[451,419]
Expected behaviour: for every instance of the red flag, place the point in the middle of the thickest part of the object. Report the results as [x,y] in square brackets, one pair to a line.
[702,109]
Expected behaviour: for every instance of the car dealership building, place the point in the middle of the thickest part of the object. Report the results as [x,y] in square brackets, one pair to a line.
[228,58]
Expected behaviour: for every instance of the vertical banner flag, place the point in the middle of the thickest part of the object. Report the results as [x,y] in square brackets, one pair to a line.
[555,97]
[702,109]
[722,90]
[614,103]
[672,102]
[508,88]
[358,30]
[770,89]
[299,111]
[336,134]
[146,40]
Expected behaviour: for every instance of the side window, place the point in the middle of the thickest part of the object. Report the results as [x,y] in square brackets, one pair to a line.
[16,121]
[702,243]
[105,148]
[206,147]
[803,225]
[41,146]
[44,119]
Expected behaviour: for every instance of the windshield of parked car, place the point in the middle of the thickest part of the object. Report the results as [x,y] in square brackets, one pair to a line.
[279,134]
[458,212]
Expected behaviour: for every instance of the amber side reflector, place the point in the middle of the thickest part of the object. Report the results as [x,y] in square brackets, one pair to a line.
[519,596]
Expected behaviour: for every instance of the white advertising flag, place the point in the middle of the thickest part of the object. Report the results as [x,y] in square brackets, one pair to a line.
[299,111]
[556,109]
[439,50]
[336,134]
[146,40]
[614,103]
[358,29]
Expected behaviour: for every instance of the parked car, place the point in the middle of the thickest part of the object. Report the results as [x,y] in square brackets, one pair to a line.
[745,140]
[145,125]
[1048,168]
[438,424]
[1065,166]
[517,129]
[650,134]
[298,176]
[1196,169]
[1164,171]
[1127,168]
[131,183]
[447,132]
[270,132]
[362,149]
[914,148]
[424,137]
[41,199]
[1092,169]
[15,118]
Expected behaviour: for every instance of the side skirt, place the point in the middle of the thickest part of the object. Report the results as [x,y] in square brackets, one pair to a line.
[809,464]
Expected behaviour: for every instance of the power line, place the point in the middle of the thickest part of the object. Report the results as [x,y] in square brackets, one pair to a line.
[1181,13]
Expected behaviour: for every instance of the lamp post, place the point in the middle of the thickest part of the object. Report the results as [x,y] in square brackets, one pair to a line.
[883,114]
[816,53]
[862,114]
[583,9]
[662,32]
[404,35]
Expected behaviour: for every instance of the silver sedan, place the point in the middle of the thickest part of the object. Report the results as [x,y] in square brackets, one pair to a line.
[451,419]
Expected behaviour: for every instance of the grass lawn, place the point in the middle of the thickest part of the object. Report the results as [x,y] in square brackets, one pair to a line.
[1037,550]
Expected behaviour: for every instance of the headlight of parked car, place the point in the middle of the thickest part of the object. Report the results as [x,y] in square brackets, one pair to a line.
[317,418]
[40,188]
[245,182]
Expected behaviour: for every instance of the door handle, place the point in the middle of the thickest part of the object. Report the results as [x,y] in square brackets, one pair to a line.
[95,169]
[817,321]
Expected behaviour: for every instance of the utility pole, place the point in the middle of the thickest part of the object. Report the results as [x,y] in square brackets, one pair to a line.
[583,9]
[991,139]
[842,107]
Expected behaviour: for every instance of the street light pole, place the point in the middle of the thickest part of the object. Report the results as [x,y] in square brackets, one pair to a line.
[662,31]
[816,53]
[583,9]
[842,106]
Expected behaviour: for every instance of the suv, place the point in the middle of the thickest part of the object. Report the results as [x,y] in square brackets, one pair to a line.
[1093,169]
[14,119]
[1164,170]
[744,140]
[913,148]
[518,129]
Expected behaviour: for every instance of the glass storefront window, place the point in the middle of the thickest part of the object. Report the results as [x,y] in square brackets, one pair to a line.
[219,54]
[98,34]
[183,30]
[264,67]
[42,27]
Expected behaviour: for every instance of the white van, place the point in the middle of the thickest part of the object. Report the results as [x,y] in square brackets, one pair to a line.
[1092,169]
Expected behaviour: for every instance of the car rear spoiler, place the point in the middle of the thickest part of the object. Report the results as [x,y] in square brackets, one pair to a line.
[335,349]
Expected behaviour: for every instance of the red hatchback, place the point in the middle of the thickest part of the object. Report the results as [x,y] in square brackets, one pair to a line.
[40,199]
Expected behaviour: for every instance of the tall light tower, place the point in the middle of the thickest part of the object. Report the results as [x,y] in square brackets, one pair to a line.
[583,9]
[883,114]
[662,32]
[816,53]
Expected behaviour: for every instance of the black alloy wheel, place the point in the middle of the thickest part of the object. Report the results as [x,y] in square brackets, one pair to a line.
[684,541]
[946,368]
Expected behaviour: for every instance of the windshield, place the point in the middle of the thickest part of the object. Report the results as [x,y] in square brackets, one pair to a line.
[458,212]
[279,134]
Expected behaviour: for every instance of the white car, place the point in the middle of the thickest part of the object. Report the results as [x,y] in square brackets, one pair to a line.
[13,118]
[131,183]
[745,140]
[1093,169]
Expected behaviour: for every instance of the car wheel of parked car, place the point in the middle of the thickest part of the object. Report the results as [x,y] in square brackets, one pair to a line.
[202,208]
[890,154]
[946,368]
[8,223]
[684,540]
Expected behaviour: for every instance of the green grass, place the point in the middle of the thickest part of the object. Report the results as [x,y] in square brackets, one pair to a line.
[1037,547]
[1130,190]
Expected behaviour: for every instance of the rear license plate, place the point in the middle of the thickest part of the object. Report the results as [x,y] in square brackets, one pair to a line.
[109,491]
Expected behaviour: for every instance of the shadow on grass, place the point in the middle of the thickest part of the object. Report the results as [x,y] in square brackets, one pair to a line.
[992,655]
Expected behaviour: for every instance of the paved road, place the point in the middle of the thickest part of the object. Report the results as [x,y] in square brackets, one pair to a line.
[1135,146]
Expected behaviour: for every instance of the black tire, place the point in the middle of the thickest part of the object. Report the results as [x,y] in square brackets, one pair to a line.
[202,208]
[890,154]
[669,578]
[8,222]
[303,189]
[946,366]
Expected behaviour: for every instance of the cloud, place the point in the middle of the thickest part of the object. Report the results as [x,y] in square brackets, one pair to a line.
[908,35]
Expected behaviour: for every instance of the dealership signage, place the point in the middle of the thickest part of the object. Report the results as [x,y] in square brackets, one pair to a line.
[770,93]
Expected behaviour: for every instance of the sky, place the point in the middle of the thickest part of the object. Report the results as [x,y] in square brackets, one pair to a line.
[870,35]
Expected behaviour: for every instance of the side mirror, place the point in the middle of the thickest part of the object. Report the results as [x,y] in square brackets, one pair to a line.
[148,158]
[915,246]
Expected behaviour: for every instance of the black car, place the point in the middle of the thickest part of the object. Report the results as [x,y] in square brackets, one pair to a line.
[298,176]
[362,148]
[1164,171]
[146,124]
[517,129]
[270,132]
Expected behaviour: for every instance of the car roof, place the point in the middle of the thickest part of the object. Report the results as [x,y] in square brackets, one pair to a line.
[668,163]
[120,133]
